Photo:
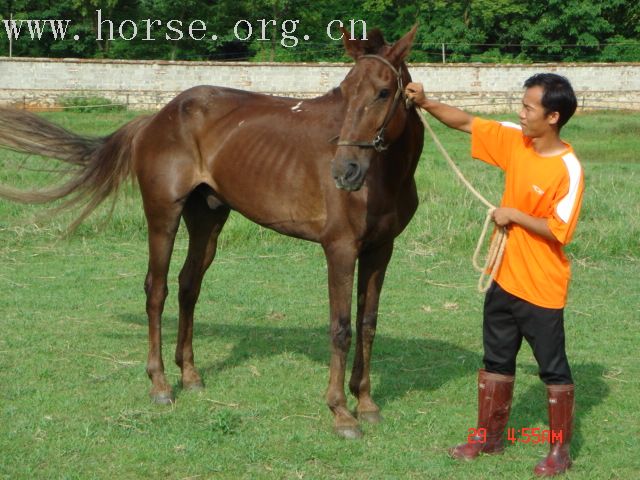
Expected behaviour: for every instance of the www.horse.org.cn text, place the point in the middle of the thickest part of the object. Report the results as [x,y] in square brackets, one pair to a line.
[150,30]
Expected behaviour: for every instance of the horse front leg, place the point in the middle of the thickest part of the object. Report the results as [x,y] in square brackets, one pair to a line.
[341,260]
[372,266]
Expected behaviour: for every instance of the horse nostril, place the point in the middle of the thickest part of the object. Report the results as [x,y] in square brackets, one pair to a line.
[352,172]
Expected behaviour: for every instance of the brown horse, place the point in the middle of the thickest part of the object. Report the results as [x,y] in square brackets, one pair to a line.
[277,161]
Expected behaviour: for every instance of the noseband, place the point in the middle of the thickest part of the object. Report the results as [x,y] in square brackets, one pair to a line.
[378,143]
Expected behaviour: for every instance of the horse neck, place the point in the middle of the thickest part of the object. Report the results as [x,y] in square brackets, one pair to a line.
[408,148]
[400,162]
[333,98]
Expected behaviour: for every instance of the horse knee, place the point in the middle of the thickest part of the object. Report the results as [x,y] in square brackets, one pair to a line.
[188,289]
[187,295]
[155,296]
[147,285]
[369,324]
[341,333]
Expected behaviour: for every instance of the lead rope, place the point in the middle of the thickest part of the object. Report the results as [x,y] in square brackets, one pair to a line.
[496,248]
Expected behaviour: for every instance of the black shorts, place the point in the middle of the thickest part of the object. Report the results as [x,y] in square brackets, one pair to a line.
[507,319]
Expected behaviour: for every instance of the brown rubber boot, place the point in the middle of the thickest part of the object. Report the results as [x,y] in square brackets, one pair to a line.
[494,404]
[561,408]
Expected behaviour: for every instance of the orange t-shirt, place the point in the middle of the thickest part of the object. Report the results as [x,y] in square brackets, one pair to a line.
[533,268]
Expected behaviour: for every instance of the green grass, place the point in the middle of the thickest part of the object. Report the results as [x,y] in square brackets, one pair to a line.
[74,395]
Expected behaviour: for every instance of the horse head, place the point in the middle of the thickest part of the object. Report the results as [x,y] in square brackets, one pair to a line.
[375,108]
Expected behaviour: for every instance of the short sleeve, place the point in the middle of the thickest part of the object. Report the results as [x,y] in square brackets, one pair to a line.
[566,208]
[492,141]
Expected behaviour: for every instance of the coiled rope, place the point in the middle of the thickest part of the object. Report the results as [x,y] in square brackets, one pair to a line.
[493,258]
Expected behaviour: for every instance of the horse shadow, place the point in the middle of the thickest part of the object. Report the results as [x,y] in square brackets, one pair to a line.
[401,365]
[421,363]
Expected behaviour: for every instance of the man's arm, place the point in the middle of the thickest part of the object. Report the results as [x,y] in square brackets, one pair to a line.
[503,216]
[451,116]
[455,118]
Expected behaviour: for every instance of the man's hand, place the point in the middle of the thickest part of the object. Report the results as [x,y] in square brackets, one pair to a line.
[504,216]
[451,116]
[415,92]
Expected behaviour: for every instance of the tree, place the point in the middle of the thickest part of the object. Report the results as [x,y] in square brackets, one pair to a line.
[296,30]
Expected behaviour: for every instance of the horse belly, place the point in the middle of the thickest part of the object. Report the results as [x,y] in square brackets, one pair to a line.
[274,186]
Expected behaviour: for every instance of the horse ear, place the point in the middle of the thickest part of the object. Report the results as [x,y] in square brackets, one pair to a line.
[400,50]
[353,47]
[372,45]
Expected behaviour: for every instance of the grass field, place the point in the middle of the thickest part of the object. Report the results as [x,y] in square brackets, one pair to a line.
[74,394]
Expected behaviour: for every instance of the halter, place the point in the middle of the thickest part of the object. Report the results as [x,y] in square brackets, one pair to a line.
[378,143]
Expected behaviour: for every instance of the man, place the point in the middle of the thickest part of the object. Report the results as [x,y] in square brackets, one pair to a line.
[540,208]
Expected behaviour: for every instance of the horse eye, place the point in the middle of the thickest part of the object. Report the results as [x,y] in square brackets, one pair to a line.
[384,93]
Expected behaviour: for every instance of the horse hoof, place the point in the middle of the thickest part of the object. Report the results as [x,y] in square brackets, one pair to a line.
[370,417]
[350,433]
[163,398]
[193,386]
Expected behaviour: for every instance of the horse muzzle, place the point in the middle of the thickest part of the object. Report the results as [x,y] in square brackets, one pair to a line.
[350,177]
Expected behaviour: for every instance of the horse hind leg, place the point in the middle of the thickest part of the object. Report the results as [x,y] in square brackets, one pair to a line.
[204,225]
[163,220]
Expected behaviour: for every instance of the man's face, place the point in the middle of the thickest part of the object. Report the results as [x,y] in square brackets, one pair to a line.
[533,120]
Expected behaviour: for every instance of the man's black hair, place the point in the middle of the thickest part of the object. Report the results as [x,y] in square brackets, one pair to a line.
[558,95]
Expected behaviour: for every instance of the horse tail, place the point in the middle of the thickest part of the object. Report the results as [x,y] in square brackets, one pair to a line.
[97,165]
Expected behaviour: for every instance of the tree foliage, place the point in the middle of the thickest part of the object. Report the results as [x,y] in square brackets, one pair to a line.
[297,30]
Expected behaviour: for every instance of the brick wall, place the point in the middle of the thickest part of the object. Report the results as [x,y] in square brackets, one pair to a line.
[40,83]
